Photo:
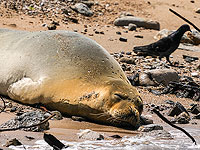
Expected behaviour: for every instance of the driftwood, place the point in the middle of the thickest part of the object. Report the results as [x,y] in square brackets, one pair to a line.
[20,127]
[177,127]
[186,20]
[53,142]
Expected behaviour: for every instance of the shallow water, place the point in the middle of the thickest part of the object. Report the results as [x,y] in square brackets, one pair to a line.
[180,142]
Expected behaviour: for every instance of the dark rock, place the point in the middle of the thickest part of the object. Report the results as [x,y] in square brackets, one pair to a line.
[196,116]
[29,137]
[127,60]
[177,109]
[118,32]
[132,27]
[134,79]
[101,137]
[138,36]
[82,9]
[123,39]
[150,127]
[101,32]
[55,22]
[189,58]
[51,27]
[74,20]
[128,53]
[116,136]
[14,142]
[197,10]
[195,109]
[170,102]
[13,109]
[139,22]
[88,3]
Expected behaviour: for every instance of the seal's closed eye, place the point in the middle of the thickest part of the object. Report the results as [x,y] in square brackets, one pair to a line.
[119,96]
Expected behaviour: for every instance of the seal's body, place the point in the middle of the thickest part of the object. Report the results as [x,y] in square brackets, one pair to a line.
[68,72]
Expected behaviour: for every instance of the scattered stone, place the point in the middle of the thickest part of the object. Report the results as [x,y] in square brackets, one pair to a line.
[139,22]
[44,25]
[28,119]
[90,34]
[127,60]
[128,53]
[51,27]
[13,25]
[29,137]
[194,36]
[72,19]
[13,142]
[123,39]
[195,74]
[145,121]
[150,127]
[183,118]
[118,32]
[197,10]
[90,135]
[116,136]
[196,116]
[177,110]
[101,137]
[170,102]
[88,3]
[132,27]
[101,32]
[195,109]
[198,68]
[123,14]
[158,76]
[138,36]
[134,79]
[190,59]
[82,9]
[13,109]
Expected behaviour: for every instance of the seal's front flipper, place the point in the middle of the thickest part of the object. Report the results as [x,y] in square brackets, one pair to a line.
[26,90]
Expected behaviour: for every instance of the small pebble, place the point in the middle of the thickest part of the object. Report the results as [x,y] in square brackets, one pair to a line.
[123,39]
[119,33]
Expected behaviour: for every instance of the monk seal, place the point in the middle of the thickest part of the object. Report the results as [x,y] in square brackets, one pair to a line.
[68,72]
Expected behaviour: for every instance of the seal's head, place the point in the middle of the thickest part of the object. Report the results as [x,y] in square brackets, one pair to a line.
[123,103]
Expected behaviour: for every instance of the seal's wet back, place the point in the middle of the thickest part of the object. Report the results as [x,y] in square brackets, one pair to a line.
[68,72]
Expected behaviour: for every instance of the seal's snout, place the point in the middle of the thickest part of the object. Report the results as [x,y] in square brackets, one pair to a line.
[125,111]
